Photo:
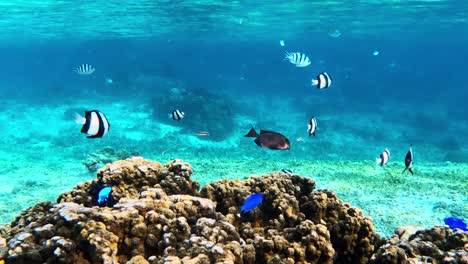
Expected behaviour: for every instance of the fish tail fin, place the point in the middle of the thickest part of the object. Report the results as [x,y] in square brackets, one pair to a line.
[313,133]
[286,55]
[252,133]
[404,170]
[378,161]
[411,171]
[314,82]
[79,119]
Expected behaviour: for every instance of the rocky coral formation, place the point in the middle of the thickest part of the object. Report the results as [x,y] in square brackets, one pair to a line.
[435,245]
[295,223]
[128,178]
[157,215]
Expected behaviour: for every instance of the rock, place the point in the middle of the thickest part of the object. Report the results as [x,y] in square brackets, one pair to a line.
[434,245]
[404,232]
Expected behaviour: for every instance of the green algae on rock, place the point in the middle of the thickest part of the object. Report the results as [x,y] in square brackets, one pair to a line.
[159,215]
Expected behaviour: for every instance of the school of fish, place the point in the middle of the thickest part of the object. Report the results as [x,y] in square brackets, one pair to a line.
[95,124]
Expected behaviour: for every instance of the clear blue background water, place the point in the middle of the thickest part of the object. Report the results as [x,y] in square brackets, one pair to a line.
[416,81]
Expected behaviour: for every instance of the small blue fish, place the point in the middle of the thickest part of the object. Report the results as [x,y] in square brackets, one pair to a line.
[252,202]
[454,222]
[104,195]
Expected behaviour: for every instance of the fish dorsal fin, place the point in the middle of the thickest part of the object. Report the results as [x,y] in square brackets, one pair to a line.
[252,133]
[267,131]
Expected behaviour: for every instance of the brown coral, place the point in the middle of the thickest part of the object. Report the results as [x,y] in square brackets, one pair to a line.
[435,245]
[157,215]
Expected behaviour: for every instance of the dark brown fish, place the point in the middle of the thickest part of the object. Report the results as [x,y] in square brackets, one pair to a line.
[269,139]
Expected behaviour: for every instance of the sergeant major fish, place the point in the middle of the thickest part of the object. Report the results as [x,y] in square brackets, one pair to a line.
[297,58]
[85,69]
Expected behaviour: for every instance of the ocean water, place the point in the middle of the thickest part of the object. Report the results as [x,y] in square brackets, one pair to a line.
[221,63]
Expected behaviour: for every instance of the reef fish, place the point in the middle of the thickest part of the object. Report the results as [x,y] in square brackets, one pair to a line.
[312,126]
[287,171]
[384,157]
[202,133]
[409,160]
[176,114]
[454,222]
[334,33]
[95,123]
[103,195]
[269,139]
[252,202]
[297,58]
[85,69]
[322,81]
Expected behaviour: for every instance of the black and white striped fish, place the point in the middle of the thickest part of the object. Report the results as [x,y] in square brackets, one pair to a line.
[312,126]
[94,123]
[176,115]
[384,157]
[287,171]
[323,81]
[409,160]
[84,69]
[297,58]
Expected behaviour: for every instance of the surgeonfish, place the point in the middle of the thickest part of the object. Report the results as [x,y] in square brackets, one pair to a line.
[312,126]
[85,69]
[103,195]
[409,160]
[384,157]
[94,123]
[176,115]
[287,171]
[252,202]
[297,58]
[323,81]
[454,222]
[269,139]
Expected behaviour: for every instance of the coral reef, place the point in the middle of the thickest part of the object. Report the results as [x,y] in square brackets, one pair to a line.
[436,245]
[205,111]
[158,215]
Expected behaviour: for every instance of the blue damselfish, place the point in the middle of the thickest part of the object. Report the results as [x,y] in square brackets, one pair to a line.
[454,222]
[104,195]
[252,202]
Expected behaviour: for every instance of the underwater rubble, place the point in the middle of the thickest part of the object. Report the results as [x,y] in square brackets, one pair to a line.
[157,214]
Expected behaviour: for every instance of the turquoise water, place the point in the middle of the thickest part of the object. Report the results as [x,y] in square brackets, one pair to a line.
[221,63]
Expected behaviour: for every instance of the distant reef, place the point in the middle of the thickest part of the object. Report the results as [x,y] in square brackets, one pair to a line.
[157,214]
[207,111]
